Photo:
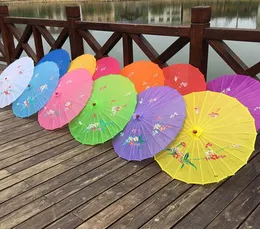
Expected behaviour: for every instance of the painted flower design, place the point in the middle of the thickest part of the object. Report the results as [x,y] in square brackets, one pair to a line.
[43,87]
[128,94]
[152,100]
[158,128]
[226,90]
[26,102]
[115,109]
[214,114]
[8,91]
[173,115]
[183,84]
[96,126]
[52,113]
[134,141]
[102,88]
[68,106]
[93,127]
[155,75]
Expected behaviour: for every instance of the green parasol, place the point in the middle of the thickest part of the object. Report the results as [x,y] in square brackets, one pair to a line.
[108,110]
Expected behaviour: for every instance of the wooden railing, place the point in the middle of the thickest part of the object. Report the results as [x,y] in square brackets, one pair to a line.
[199,34]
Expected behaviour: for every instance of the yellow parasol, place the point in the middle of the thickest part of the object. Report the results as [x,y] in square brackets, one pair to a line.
[86,61]
[217,139]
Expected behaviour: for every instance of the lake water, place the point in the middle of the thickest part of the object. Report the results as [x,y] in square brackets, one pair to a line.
[232,14]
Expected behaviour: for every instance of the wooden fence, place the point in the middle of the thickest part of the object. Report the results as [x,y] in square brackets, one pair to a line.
[199,34]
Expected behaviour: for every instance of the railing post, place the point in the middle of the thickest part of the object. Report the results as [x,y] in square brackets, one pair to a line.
[8,39]
[127,49]
[200,19]
[38,43]
[76,41]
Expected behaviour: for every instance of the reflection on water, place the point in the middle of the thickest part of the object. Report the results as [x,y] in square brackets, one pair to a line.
[236,13]
[225,13]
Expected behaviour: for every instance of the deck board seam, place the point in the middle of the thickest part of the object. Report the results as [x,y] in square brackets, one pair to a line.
[217,214]
[27,142]
[143,200]
[33,187]
[80,190]
[31,156]
[227,179]
[84,220]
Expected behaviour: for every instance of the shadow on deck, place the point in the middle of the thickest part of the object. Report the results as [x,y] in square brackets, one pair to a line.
[48,180]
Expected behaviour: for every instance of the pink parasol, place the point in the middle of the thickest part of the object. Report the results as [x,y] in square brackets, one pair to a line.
[106,66]
[68,100]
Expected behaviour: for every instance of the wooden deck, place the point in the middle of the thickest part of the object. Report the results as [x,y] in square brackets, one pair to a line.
[48,180]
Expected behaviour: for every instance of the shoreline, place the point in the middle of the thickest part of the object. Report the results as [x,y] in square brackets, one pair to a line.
[12,2]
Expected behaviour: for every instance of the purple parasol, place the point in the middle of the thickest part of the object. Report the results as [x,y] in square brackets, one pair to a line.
[158,118]
[244,88]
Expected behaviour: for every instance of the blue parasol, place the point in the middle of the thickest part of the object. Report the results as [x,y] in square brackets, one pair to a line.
[39,90]
[60,57]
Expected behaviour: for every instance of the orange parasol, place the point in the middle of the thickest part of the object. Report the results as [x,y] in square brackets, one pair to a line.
[144,74]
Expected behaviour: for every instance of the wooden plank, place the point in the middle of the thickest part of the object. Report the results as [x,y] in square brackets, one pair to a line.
[110,44]
[58,179]
[25,143]
[93,157]
[114,193]
[180,207]
[23,39]
[38,43]
[15,190]
[4,173]
[47,142]
[214,33]
[180,31]
[60,39]
[233,61]
[238,210]
[76,42]
[198,55]
[67,222]
[255,69]
[62,208]
[127,49]
[253,221]
[34,21]
[28,172]
[150,207]
[118,209]
[24,213]
[84,180]
[174,212]
[15,31]
[224,195]
[2,49]
[46,34]
[6,35]
[20,132]
[6,115]
[172,50]
[13,123]
[145,46]
[92,42]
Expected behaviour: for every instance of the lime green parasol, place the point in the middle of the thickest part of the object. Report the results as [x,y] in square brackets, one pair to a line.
[107,112]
